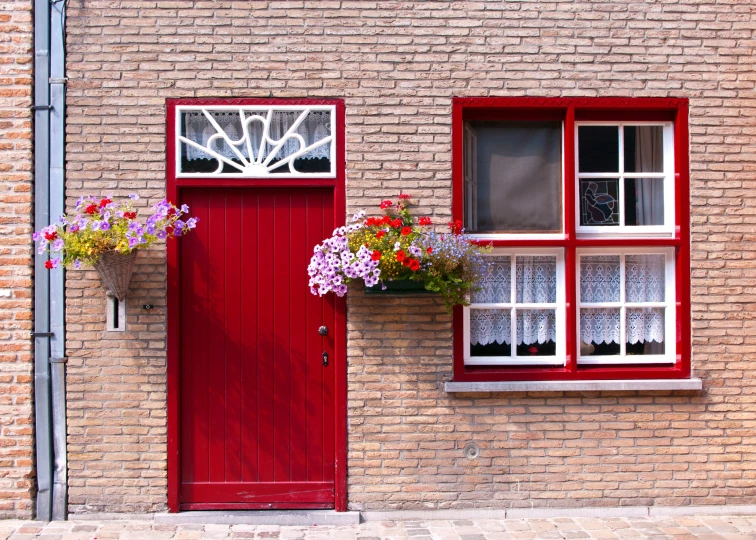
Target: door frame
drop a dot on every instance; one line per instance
(174, 187)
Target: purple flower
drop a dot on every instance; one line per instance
(150, 228)
(133, 242)
(58, 244)
(134, 197)
(184, 209)
(162, 234)
(179, 225)
(95, 225)
(36, 236)
(77, 264)
(192, 222)
(104, 225)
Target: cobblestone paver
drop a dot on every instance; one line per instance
(659, 528)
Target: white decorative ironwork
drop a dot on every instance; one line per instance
(255, 141)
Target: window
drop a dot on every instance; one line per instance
(255, 141)
(585, 203)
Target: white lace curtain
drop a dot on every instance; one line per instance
(600, 282)
(535, 282)
(315, 127)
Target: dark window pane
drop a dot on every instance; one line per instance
(599, 332)
(515, 185)
(599, 202)
(644, 149)
(598, 149)
(644, 201)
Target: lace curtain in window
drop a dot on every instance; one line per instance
(600, 282)
(535, 282)
(315, 127)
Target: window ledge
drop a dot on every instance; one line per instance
(575, 386)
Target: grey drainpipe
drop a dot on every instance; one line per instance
(57, 278)
(49, 338)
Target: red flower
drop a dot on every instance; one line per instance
(376, 255)
(396, 223)
(380, 234)
(400, 255)
(429, 250)
(414, 265)
(48, 265)
(171, 211)
(129, 215)
(425, 220)
(456, 226)
(385, 220)
(51, 236)
(406, 262)
(386, 204)
(105, 202)
(169, 230)
(405, 196)
(406, 230)
(91, 209)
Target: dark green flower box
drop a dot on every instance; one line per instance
(402, 286)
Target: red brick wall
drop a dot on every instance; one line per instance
(398, 64)
(16, 411)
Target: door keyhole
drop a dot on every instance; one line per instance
(325, 359)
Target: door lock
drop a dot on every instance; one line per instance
(325, 359)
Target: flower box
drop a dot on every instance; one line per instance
(400, 286)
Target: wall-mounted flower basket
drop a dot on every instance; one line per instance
(106, 234)
(115, 271)
(398, 287)
(396, 254)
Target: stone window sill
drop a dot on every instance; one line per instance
(652, 385)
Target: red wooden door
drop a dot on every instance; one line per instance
(256, 401)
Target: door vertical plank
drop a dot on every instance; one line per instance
(300, 329)
(282, 336)
(316, 231)
(250, 287)
(232, 336)
(329, 380)
(266, 345)
(189, 357)
(216, 335)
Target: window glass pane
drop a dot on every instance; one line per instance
(644, 201)
(644, 278)
(598, 149)
(644, 149)
(496, 285)
(515, 185)
(599, 332)
(536, 279)
(599, 202)
(536, 332)
(644, 330)
(490, 332)
(599, 278)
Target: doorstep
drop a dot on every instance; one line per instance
(260, 517)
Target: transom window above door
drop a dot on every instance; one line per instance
(586, 204)
(255, 141)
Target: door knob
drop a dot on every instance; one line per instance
(323, 330)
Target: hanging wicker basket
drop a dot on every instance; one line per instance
(115, 271)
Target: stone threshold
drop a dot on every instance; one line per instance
(333, 518)
(653, 385)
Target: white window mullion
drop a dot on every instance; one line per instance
(513, 298)
(621, 180)
(623, 309)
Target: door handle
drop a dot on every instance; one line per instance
(325, 359)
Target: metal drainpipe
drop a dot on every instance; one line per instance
(49, 339)
(57, 278)
(42, 398)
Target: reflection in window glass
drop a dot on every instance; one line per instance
(536, 332)
(599, 332)
(536, 279)
(515, 185)
(599, 201)
(598, 149)
(644, 149)
(599, 279)
(496, 282)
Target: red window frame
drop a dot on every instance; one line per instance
(570, 110)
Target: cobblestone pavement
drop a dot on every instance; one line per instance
(658, 528)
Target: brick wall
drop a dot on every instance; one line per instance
(398, 64)
(16, 414)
